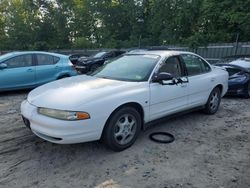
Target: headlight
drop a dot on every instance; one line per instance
(238, 79)
(63, 115)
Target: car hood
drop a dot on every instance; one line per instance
(242, 63)
(71, 92)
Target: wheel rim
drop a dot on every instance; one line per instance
(125, 129)
(214, 101)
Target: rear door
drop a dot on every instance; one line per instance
(47, 68)
(200, 79)
(20, 73)
(168, 99)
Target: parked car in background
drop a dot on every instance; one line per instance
(74, 57)
(22, 70)
(91, 63)
(242, 62)
(239, 78)
(118, 100)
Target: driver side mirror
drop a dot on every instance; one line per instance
(3, 66)
(162, 77)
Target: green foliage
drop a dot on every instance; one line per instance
(47, 24)
(82, 42)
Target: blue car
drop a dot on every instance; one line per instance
(239, 78)
(23, 70)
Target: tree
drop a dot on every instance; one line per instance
(47, 24)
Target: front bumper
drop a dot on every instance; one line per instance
(236, 89)
(82, 68)
(60, 131)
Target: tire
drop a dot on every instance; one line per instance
(247, 95)
(122, 129)
(94, 67)
(213, 101)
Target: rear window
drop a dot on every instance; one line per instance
(44, 59)
(195, 65)
(56, 59)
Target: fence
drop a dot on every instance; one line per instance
(212, 52)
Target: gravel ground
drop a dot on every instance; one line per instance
(209, 151)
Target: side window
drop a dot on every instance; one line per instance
(45, 59)
(206, 68)
(195, 65)
(56, 59)
(19, 61)
(173, 66)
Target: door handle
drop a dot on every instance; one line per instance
(29, 70)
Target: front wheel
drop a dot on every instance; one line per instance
(122, 129)
(213, 101)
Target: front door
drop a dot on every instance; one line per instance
(200, 79)
(168, 99)
(19, 73)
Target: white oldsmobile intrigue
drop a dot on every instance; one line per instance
(116, 101)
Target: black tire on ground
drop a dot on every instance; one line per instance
(213, 101)
(122, 129)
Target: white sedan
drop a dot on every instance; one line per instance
(119, 99)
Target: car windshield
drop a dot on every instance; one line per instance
(2, 57)
(100, 54)
(135, 68)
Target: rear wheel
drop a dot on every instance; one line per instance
(213, 102)
(122, 129)
(248, 91)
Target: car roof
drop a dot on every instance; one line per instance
(162, 53)
(34, 52)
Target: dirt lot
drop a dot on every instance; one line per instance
(209, 151)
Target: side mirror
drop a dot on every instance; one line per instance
(163, 76)
(3, 66)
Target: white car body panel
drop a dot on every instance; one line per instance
(100, 97)
(164, 102)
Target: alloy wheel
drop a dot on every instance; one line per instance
(125, 129)
(214, 101)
